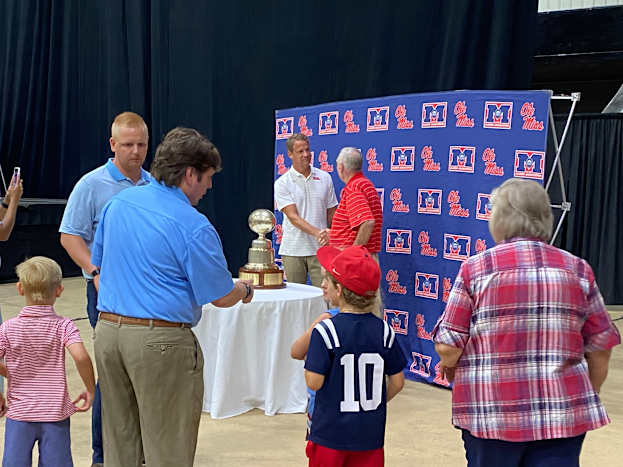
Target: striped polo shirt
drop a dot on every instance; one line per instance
(33, 345)
(359, 202)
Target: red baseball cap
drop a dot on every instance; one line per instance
(353, 267)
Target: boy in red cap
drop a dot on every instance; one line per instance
(348, 358)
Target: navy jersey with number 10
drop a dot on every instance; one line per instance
(354, 352)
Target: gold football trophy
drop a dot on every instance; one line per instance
(261, 268)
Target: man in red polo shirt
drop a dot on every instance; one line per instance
(359, 216)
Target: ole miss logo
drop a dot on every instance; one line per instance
(498, 115)
(378, 118)
(462, 159)
(398, 320)
(483, 207)
(398, 241)
(456, 247)
(303, 126)
(420, 323)
(434, 114)
(349, 120)
(403, 159)
(429, 201)
(529, 164)
(327, 123)
(284, 127)
(426, 285)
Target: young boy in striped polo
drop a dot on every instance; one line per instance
(33, 345)
(348, 359)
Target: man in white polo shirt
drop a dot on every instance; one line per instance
(307, 199)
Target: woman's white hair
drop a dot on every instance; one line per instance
(351, 159)
(521, 208)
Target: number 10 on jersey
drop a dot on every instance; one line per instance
(349, 404)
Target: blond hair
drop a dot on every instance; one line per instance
(364, 304)
(39, 277)
(127, 120)
(521, 208)
(293, 139)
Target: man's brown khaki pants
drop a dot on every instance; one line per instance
(297, 268)
(151, 379)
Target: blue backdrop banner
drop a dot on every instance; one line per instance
(434, 159)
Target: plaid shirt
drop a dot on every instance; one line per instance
(524, 313)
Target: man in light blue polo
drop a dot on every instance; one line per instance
(128, 142)
(160, 261)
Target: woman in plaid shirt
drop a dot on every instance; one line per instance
(526, 339)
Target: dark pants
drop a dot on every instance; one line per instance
(53, 438)
(96, 411)
(560, 452)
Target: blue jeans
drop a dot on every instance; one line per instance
(54, 443)
(96, 413)
(559, 452)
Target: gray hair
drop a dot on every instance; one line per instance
(350, 158)
(521, 208)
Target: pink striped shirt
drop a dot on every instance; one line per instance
(33, 345)
(359, 202)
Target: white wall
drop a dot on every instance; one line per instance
(554, 5)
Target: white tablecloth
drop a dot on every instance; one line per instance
(246, 349)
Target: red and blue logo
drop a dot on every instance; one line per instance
(529, 164)
(373, 164)
(421, 364)
(284, 127)
(378, 118)
(456, 247)
(420, 323)
(398, 320)
(328, 122)
(429, 201)
(403, 159)
(483, 206)
(498, 115)
(398, 241)
(426, 285)
(381, 193)
(434, 114)
(462, 159)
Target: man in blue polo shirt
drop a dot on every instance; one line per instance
(160, 260)
(128, 142)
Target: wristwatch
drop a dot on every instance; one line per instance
(249, 289)
(95, 272)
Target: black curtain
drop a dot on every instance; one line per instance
(592, 161)
(67, 67)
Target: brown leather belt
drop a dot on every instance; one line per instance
(118, 319)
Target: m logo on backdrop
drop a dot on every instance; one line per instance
(498, 115)
(381, 193)
(434, 114)
(398, 320)
(378, 118)
(398, 241)
(426, 285)
(462, 159)
(284, 127)
(529, 164)
(456, 247)
(483, 207)
(403, 159)
(421, 364)
(428, 201)
(327, 122)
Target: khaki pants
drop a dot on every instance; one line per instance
(151, 381)
(297, 268)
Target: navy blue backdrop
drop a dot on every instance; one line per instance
(434, 159)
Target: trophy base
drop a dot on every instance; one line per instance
(268, 279)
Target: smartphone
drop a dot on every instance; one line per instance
(16, 176)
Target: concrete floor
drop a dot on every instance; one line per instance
(418, 426)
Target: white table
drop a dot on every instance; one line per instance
(246, 349)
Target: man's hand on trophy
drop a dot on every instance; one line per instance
(248, 289)
(323, 237)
